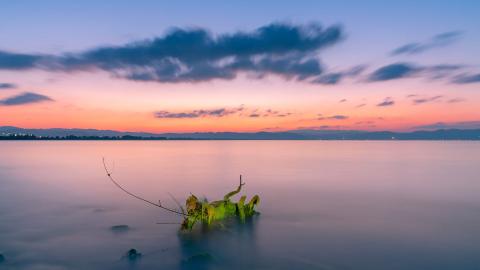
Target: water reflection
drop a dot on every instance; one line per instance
(325, 205)
(232, 245)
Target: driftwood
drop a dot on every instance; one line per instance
(201, 211)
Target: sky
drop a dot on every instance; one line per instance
(242, 66)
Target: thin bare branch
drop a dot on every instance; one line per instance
(109, 174)
(176, 201)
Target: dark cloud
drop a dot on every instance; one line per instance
(386, 102)
(288, 67)
(467, 78)
(24, 98)
(194, 55)
(394, 71)
(16, 61)
(437, 41)
(450, 125)
(7, 86)
(222, 112)
(406, 70)
(343, 100)
(418, 101)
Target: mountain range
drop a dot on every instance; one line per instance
(440, 134)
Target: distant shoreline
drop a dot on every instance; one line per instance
(2, 138)
(58, 134)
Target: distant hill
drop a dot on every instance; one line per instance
(62, 132)
(441, 134)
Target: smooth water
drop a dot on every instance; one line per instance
(324, 204)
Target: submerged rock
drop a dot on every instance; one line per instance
(120, 228)
(133, 255)
(2, 258)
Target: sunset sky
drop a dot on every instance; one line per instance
(185, 66)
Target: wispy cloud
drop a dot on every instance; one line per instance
(437, 41)
(406, 70)
(333, 78)
(393, 71)
(467, 78)
(455, 100)
(333, 117)
(418, 101)
(275, 113)
(221, 112)
(330, 78)
(7, 86)
(388, 101)
(451, 125)
(24, 98)
(322, 127)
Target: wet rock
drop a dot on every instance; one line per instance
(133, 255)
(2, 258)
(120, 228)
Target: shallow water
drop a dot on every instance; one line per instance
(324, 204)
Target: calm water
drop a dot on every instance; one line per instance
(324, 205)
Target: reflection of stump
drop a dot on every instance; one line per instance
(2, 258)
(214, 248)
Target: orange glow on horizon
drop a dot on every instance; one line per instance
(95, 100)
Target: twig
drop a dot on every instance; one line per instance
(135, 196)
(178, 204)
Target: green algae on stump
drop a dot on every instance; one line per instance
(203, 211)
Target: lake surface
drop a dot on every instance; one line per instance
(324, 204)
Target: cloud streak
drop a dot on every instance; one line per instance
(401, 70)
(451, 125)
(221, 112)
(393, 71)
(333, 117)
(467, 78)
(437, 41)
(388, 101)
(336, 77)
(24, 98)
(418, 101)
(7, 86)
